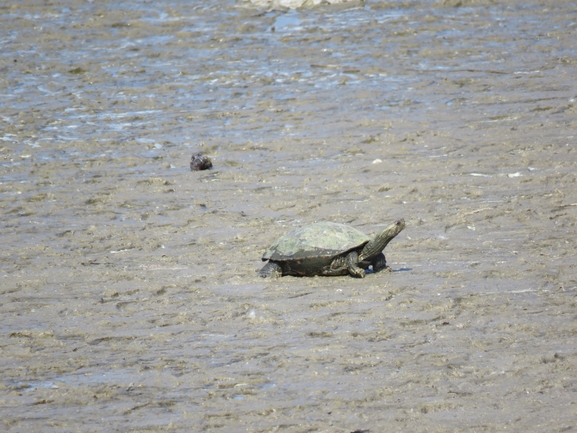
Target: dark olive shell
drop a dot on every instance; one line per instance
(323, 239)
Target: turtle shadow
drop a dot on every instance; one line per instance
(403, 270)
(370, 270)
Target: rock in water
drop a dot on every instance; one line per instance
(200, 162)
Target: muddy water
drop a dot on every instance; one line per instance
(129, 295)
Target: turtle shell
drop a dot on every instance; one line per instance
(323, 239)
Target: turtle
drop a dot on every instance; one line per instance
(327, 248)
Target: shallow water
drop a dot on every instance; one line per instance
(130, 300)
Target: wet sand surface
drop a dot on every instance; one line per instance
(129, 295)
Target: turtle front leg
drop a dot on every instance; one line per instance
(352, 262)
(270, 270)
(380, 264)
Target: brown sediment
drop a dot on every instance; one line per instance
(129, 294)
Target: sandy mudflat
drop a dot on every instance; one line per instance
(129, 300)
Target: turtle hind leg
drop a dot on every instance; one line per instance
(380, 264)
(270, 270)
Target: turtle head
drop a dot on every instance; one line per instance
(381, 240)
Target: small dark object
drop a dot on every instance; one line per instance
(77, 70)
(200, 162)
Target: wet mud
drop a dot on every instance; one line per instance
(130, 299)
